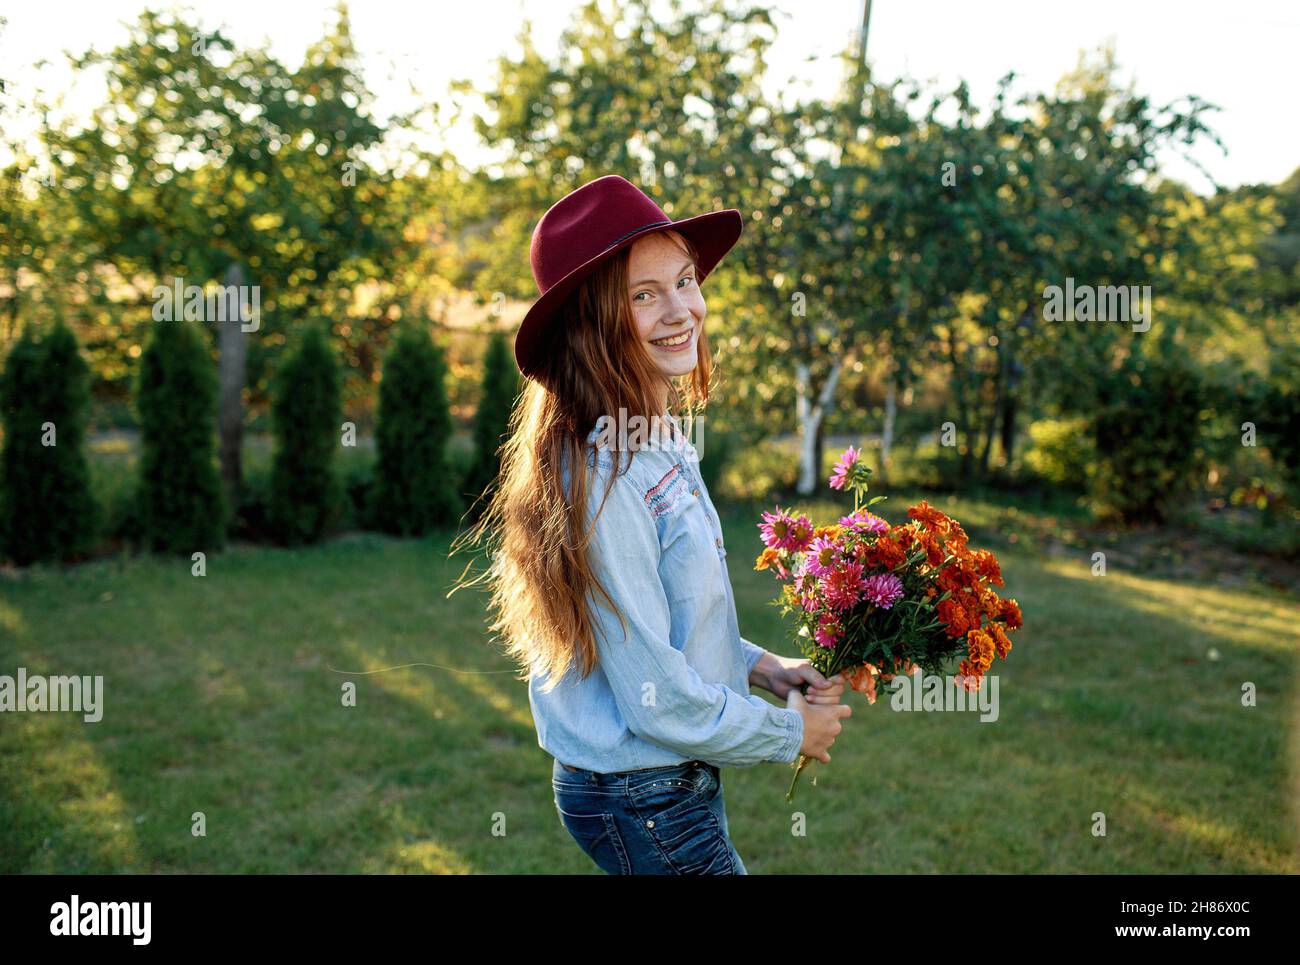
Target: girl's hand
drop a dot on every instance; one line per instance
(793, 672)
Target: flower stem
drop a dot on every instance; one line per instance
(798, 766)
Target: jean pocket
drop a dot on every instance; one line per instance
(680, 818)
(660, 796)
(597, 835)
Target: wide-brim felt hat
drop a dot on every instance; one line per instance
(588, 226)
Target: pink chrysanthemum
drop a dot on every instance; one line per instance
(843, 586)
(781, 531)
(841, 472)
(864, 522)
(828, 631)
(801, 534)
(821, 556)
(883, 589)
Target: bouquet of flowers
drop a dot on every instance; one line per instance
(874, 600)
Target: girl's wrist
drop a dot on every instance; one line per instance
(766, 672)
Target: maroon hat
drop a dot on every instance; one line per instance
(587, 226)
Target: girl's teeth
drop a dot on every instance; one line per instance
(675, 340)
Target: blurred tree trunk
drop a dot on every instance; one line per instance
(233, 351)
(811, 415)
(887, 431)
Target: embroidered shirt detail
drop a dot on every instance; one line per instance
(663, 495)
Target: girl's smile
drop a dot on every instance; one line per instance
(676, 343)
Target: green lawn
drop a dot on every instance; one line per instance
(1122, 696)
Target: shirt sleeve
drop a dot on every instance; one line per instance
(753, 653)
(660, 696)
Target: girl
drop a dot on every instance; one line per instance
(610, 585)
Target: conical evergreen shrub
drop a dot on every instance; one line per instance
(180, 503)
(306, 418)
(414, 488)
(47, 509)
(491, 421)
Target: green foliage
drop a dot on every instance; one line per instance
(491, 420)
(757, 472)
(1147, 434)
(413, 485)
(1279, 418)
(48, 510)
(181, 506)
(1061, 451)
(282, 186)
(306, 419)
(718, 446)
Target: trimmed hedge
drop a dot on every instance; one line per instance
(181, 507)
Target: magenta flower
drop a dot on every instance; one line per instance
(775, 529)
(841, 472)
(883, 589)
(828, 631)
(801, 534)
(781, 531)
(843, 586)
(822, 556)
(864, 522)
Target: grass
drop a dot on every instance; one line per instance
(1122, 696)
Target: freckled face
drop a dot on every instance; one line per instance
(666, 302)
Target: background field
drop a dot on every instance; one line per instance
(1122, 695)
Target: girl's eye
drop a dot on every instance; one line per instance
(638, 295)
(687, 278)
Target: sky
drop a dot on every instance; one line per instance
(1243, 57)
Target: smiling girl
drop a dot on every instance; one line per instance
(610, 585)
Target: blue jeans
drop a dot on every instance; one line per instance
(656, 821)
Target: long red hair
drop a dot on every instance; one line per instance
(596, 365)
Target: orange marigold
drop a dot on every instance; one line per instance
(933, 551)
(955, 543)
(990, 604)
(765, 559)
(951, 612)
(863, 680)
(971, 678)
(986, 565)
(981, 649)
(1000, 640)
(1010, 614)
(884, 552)
(929, 517)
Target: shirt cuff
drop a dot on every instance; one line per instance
(792, 721)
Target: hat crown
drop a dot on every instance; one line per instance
(586, 222)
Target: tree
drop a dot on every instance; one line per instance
(491, 420)
(25, 536)
(48, 509)
(306, 421)
(209, 162)
(181, 506)
(414, 489)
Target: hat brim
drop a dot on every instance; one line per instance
(713, 234)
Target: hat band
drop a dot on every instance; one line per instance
(623, 237)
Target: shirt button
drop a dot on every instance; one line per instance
(695, 493)
(718, 541)
(649, 824)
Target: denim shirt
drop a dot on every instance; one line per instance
(677, 687)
